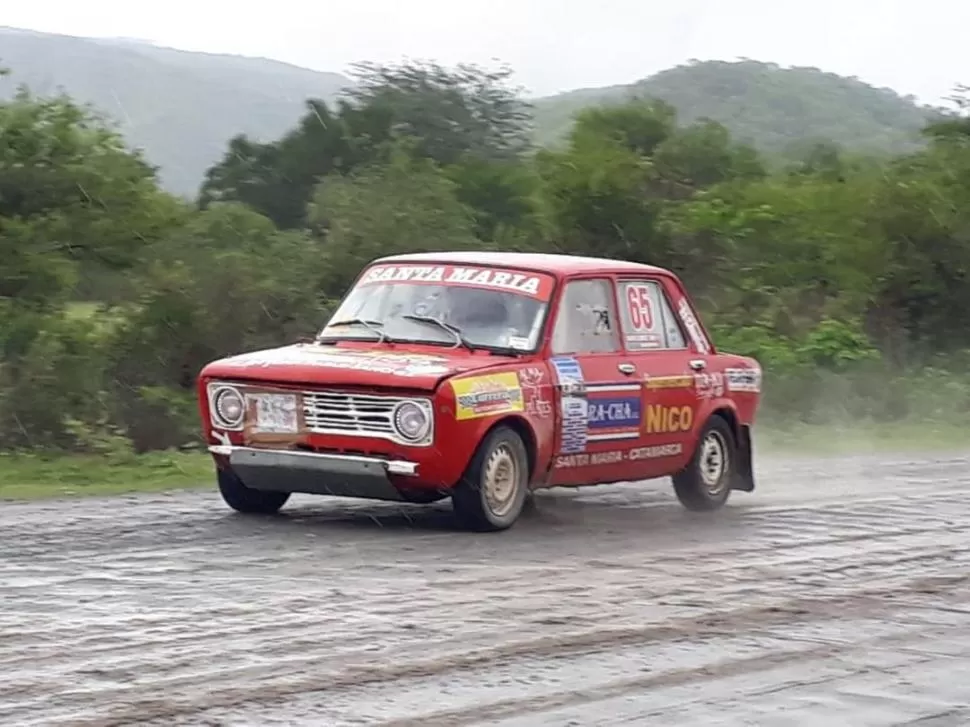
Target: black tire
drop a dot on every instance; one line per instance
(243, 499)
(492, 492)
(705, 483)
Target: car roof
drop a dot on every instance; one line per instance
(543, 262)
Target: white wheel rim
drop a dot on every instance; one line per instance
(501, 480)
(713, 462)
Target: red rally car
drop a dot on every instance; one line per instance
(481, 377)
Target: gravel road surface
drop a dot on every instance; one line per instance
(838, 593)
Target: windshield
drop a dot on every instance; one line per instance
(446, 305)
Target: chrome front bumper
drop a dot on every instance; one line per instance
(342, 475)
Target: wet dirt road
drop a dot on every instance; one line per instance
(838, 593)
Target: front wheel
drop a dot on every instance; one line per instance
(492, 492)
(243, 499)
(705, 483)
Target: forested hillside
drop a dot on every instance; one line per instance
(779, 110)
(846, 277)
(180, 107)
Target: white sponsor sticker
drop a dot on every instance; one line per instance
(568, 461)
(454, 275)
(693, 327)
(573, 408)
(743, 380)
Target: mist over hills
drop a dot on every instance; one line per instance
(182, 107)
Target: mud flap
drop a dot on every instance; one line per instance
(744, 474)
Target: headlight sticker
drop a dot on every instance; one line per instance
(274, 413)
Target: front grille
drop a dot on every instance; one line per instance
(349, 414)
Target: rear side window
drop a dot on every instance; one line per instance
(649, 323)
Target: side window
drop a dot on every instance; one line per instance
(648, 320)
(587, 319)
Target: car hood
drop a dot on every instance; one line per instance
(315, 364)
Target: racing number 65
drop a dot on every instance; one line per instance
(638, 303)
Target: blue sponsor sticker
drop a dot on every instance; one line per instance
(568, 370)
(614, 412)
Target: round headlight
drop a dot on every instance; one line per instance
(412, 421)
(229, 406)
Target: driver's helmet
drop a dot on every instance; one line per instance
(477, 308)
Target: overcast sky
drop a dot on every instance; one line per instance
(920, 47)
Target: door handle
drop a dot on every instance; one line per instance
(698, 364)
(627, 368)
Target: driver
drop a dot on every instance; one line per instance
(471, 308)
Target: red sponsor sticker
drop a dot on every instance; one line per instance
(534, 285)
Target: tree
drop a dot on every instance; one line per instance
(624, 165)
(73, 201)
(787, 252)
(596, 196)
(955, 125)
(502, 196)
(407, 205)
(276, 179)
(70, 178)
(248, 174)
(639, 125)
(702, 155)
(467, 117)
(923, 209)
(227, 281)
(449, 113)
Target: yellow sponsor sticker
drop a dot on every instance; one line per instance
(668, 419)
(482, 396)
(681, 381)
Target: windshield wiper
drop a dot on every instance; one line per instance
(505, 351)
(453, 330)
(373, 326)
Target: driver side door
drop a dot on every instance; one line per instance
(598, 402)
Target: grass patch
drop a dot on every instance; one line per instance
(859, 438)
(32, 476)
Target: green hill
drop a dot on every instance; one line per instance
(180, 107)
(771, 107)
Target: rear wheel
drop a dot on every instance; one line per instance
(705, 483)
(492, 492)
(243, 499)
